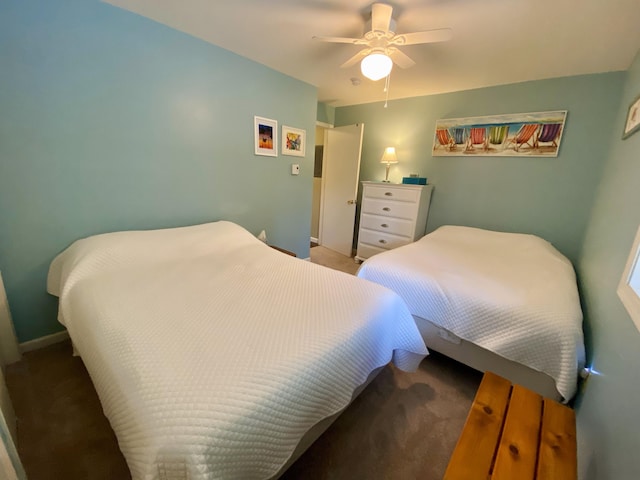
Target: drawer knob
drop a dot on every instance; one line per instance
(384, 225)
(388, 194)
(386, 209)
(382, 241)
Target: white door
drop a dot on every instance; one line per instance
(340, 174)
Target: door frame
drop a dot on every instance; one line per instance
(326, 127)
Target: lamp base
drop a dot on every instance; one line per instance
(386, 177)
(386, 181)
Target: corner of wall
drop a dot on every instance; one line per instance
(326, 113)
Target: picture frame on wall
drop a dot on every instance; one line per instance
(534, 134)
(293, 141)
(265, 136)
(632, 125)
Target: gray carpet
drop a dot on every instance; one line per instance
(324, 256)
(62, 433)
(402, 426)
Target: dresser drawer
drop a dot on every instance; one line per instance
(396, 226)
(392, 193)
(365, 251)
(382, 240)
(390, 208)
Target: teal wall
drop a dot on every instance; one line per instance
(550, 197)
(111, 121)
(326, 113)
(608, 420)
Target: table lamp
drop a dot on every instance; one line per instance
(389, 157)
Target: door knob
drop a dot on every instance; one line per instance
(351, 202)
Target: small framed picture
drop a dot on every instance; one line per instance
(266, 136)
(293, 141)
(633, 119)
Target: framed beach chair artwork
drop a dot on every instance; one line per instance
(535, 134)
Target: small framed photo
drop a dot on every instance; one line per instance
(266, 136)
(293, 141)
(633, 119)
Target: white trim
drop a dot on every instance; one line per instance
(314, 239)
(10, 465)
(9, 351)
(45, 341)
(629, 297)
(323, 124)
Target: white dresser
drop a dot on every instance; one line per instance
(391, 215)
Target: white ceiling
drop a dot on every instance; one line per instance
(494, 42)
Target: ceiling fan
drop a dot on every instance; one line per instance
(382, 42)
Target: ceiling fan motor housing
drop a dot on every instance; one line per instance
(370, 32)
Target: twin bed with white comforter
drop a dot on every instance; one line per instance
(512, 295)
(213, 354)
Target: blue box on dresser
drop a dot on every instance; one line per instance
(414, 180)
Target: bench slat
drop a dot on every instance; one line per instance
(518, 450)
(474, 451)
(558, 451)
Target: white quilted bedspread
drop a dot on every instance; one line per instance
(212, 353)
(512, 294)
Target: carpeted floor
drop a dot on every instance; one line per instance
(402, 426)
(62, 432)
(324, 256)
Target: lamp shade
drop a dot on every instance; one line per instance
(389, 155)
(376, 66)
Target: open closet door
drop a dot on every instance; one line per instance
(340, 175)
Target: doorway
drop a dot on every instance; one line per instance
(336, 187)
(317, 182)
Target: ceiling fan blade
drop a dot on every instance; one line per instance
(400, 59)
(430, 36)
(381, 17)
(353, 41)
(356, 58)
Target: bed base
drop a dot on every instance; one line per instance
(443, 341)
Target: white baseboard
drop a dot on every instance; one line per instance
(314, 239)
(45, 341)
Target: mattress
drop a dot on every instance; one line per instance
(213, 354)
(512, 294)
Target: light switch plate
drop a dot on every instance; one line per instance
(295, 169)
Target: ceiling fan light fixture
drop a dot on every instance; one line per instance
(376, 66)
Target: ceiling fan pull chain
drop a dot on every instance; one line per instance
(386, 89)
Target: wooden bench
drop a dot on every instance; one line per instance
(512, 433)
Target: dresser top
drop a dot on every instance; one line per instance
(397, 185)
